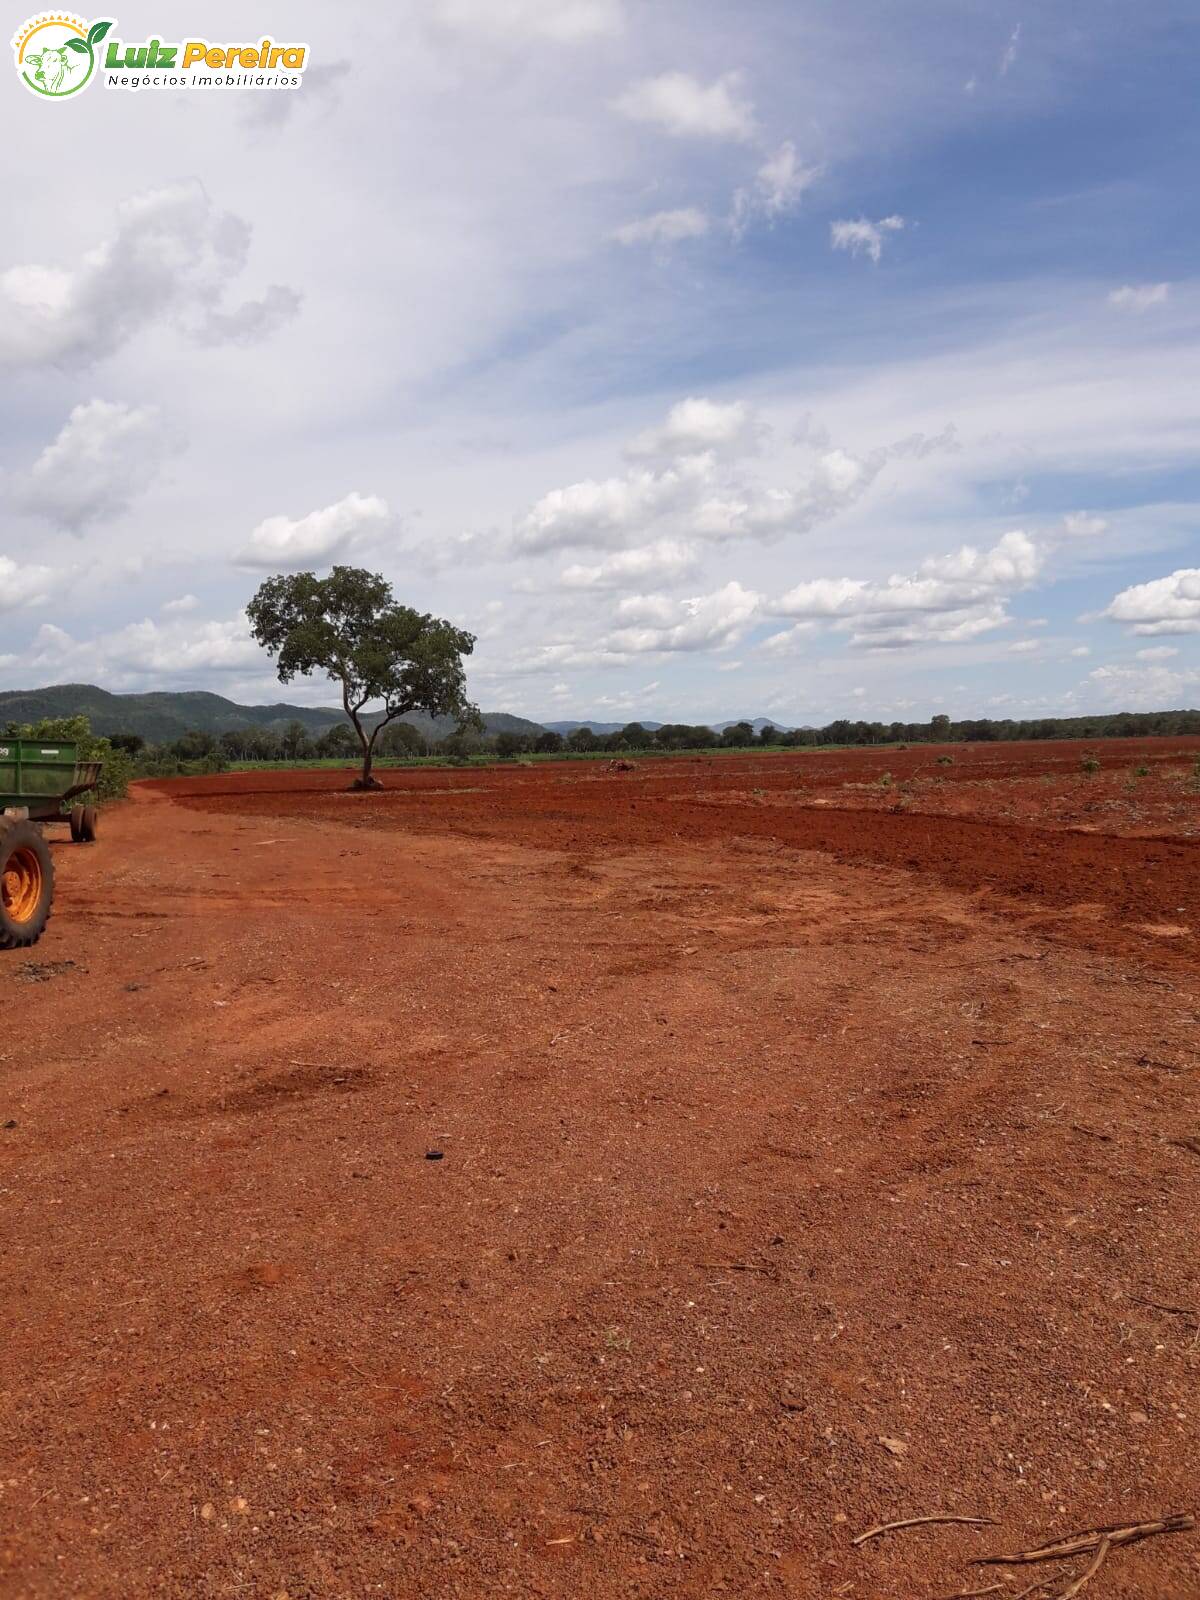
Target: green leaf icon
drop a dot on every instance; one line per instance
(77, 44)
(97, 31)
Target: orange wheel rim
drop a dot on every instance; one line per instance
(22, 885)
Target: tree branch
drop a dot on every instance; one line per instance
(388, 716)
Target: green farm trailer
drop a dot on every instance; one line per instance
(38, 777)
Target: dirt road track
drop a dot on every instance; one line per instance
(751, 1158)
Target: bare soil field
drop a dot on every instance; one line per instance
(551, 1181)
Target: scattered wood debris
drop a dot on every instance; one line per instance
(1096, 1542)
(970, 1594)
(1078, 1544)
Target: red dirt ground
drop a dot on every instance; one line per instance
(806, 1163)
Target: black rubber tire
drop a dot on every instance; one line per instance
(22, 845)
(90, 823)
(76, 824)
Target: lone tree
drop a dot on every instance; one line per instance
(349, 626)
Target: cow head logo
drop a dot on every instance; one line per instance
(56, 53)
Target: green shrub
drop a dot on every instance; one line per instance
(1089, 764)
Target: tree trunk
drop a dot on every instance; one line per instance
(365, 779)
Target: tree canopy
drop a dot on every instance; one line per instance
(350, 626)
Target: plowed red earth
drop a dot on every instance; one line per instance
(805, 1163)
(1117, 888)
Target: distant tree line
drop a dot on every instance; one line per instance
(983, 730)
(633, 736)
(214, 751)
(209, 752)
(938, 730)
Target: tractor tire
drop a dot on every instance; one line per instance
(76, 824)
(26, 884)
(90, 823)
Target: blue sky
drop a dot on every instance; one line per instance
(804, 360)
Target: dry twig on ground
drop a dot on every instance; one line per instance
(1159, 1305)
(1092, 1569)
(916, 1522)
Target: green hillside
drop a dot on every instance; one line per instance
(162, 716)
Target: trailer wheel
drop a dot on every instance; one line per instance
(90, 823)
(26, 884)
(76, 824)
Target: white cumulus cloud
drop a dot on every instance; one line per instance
(317, 538)
(653, 622)
(664, 227)
(28, 585)
(1164, 605)
(664, 561)
(1013, 562)
(950, 599)
(1082, 525)
(688, 109)
(788, 640)
(150, 652)
(609, 511)
(1143, 688)
(777, 189)
(1139, 297)
(172, 257)
(105, 456)
(696, 486)
(696, 425)
(863, 237)
(783, 178)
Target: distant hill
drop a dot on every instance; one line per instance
(493, 721)
(757, 723)
(598, 727)
(162, 716)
